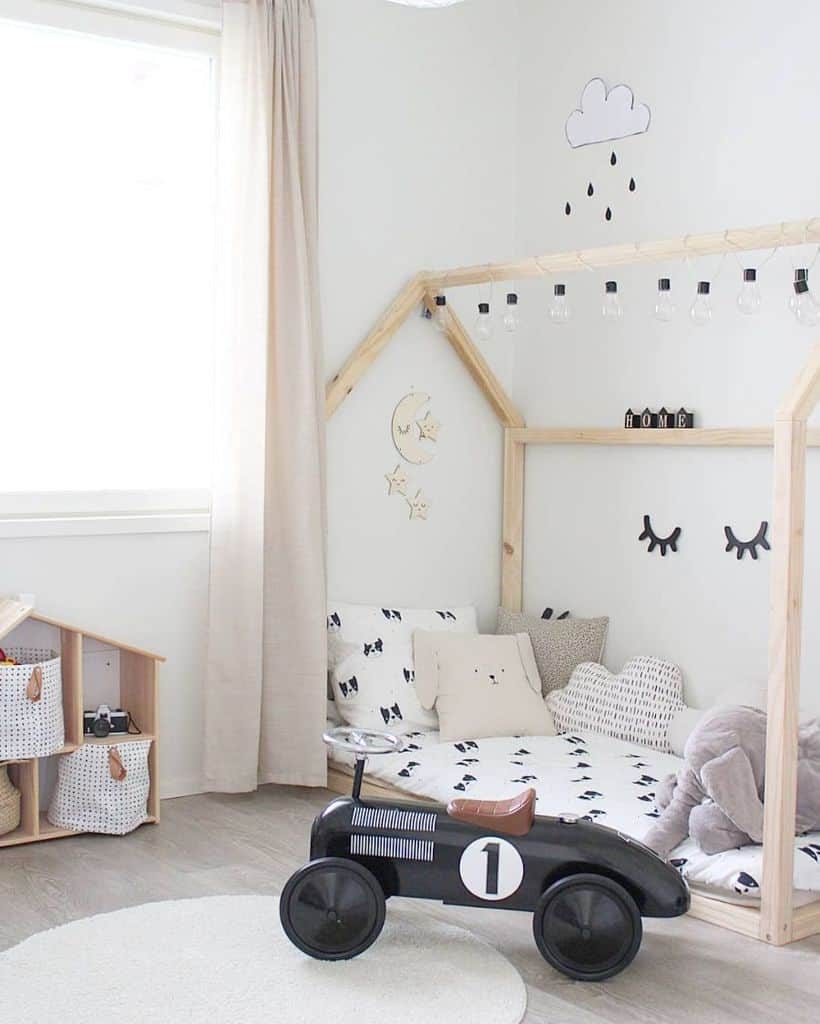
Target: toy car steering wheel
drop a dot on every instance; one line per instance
(363, 742)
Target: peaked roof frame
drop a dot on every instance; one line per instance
(778, 921)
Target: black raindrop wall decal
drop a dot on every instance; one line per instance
(590, 190)
(568, 209)
(631, 184)
(608, 213)
(613, 159)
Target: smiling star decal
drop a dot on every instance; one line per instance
(396, 481)
(429, 427)
(419, 506)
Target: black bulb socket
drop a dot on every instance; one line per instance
(441, 300)
(801, 287)
(801, 274)
(750, 274)
(484, 308)
(704, 287)
(663, 284)
(612, 287)
(559, 289)
(512, 299)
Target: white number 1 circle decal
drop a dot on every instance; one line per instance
(491, 868)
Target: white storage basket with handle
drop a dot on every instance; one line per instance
(102, 788)
(31, 704)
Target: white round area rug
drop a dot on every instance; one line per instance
(225, 960)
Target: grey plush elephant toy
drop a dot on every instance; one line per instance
(717, 795)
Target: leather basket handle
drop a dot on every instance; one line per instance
(34, 688)
(116, 768)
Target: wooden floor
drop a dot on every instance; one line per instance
(686, 970)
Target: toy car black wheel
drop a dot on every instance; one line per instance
(587, 926)
(332, 909)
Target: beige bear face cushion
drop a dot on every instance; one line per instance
(480, 685)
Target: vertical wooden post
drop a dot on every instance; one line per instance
(512, 554)
(783, 699)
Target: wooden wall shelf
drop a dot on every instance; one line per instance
(722, 437)
(138, 693)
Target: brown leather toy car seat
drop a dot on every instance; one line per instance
(513, 817)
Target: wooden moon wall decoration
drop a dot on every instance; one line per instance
(409, 431)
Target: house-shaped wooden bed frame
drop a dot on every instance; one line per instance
(777, 921)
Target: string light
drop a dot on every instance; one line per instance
(440, 316)
(560, 310)
(511, 317)
(484, 322)
(612, 309)
(664, 308)
(701, 309)
(749, 297)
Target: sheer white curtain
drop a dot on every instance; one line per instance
(267, 660)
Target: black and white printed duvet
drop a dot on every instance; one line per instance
(603, 779)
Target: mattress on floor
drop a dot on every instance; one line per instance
(603, 779)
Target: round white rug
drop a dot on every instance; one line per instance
(225, 960)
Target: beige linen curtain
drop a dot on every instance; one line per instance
(267, 660)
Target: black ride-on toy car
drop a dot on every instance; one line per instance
(586, 886)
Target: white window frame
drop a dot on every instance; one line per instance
(182, 25)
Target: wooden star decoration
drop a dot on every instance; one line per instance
(419, 506)
(396, 481)
(429, 427)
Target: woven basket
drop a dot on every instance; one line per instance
(9, 803)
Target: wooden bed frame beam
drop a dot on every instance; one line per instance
(770, 236)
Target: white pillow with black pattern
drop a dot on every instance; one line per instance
(637, 705)
(370, 659)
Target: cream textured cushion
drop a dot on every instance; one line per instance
(480, 685)
(638, 705)
(558, 644)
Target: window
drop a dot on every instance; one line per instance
(106, 258)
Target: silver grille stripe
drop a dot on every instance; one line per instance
(392, 846)
(391, 817)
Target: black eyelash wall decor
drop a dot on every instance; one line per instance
(659, 542)
(742, 546)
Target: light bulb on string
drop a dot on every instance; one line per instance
(701, 309)
(749, 297)
(511, 317)
(806, 309)
(664, 308)
(440, 317)
(560, 310)
(612, 309)
(800, 274)
(484, 322)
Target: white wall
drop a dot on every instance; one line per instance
(417, 169)
(729, 86)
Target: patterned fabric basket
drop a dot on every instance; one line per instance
(9, 803)
(102, 788)
(31, 704)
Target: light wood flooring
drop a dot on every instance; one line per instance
(206, 845)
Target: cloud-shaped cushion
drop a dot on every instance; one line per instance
(605, 116)
(637, 705)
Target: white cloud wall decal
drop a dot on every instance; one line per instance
(605, 116)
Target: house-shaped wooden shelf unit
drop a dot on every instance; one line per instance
(95, 670)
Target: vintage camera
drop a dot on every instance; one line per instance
(103, 722)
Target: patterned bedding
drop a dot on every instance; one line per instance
(604, 779)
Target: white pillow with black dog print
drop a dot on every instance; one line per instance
(370, 658)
